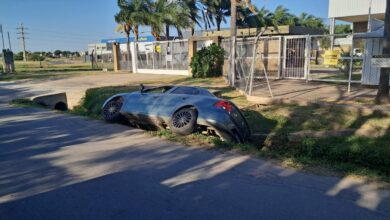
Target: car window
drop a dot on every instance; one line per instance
(158, 90)
(186, 91)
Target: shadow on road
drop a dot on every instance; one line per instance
(68, 167)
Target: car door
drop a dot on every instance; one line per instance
(169, 102)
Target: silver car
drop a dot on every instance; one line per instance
(182, 109)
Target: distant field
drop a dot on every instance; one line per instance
(51, 65)
(52, 68)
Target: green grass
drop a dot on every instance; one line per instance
(35, 70)
(25, 103)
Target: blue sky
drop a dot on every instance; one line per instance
(72, 24)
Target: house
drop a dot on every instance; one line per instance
(366, 17)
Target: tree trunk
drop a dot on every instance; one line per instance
(128, 48)
(382, 96)
(167, 32)
(218, 20)
(179, 32)
(136, 32)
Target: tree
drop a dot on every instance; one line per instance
(192, 14)
(383, 96)
(281, 16)
(343, 29)
(131, 14)
(168, 13)
(308, 20)
(217, 10)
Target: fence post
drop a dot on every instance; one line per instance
(134, 58)
(307, 57)
(350, 66)
(280, 57)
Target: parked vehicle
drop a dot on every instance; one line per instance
(182, 109)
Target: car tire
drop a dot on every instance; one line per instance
(111, 111)
(183, 122)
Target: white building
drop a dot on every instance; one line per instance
(359, 13)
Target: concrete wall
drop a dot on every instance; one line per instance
(346, 8)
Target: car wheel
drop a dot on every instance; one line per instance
(183, 122)
(111, 111)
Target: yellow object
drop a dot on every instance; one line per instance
(331, 57)
(158, 49)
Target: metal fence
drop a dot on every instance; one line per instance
(267, 60)
(326, 58)
(163, 55)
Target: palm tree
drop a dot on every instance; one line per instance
(217, 9)
(246, 17)
(167, 13)
(308, 20)
(192, 10)
(281, 16)
(123, 18)
(131, 14)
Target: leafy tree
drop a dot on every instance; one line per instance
(343, 29)
(18, 56)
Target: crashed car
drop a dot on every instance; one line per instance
(182, 109)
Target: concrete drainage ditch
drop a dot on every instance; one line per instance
(57, 101)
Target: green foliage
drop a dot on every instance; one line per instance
(208, 62)
(343, 29)
(94, 98)
(36, 57)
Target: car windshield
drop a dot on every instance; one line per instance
(186, 91)
(162, 89)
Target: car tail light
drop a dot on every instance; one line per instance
(224, 105)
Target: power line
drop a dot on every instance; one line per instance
(22, 34)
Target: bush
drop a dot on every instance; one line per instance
(208, 62)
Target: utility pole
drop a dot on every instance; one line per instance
(383, 95)
(2, 36)
(9, 42)
(22, 34)
(233, 43)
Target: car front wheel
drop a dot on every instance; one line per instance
(111, 111)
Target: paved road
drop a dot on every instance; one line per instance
(57, 166)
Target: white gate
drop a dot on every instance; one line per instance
(295, 57)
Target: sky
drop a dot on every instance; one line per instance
(73, 24)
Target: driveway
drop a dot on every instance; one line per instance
(58, 166)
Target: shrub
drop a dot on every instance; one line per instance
(208, 62)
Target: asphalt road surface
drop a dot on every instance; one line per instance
(58, 166)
